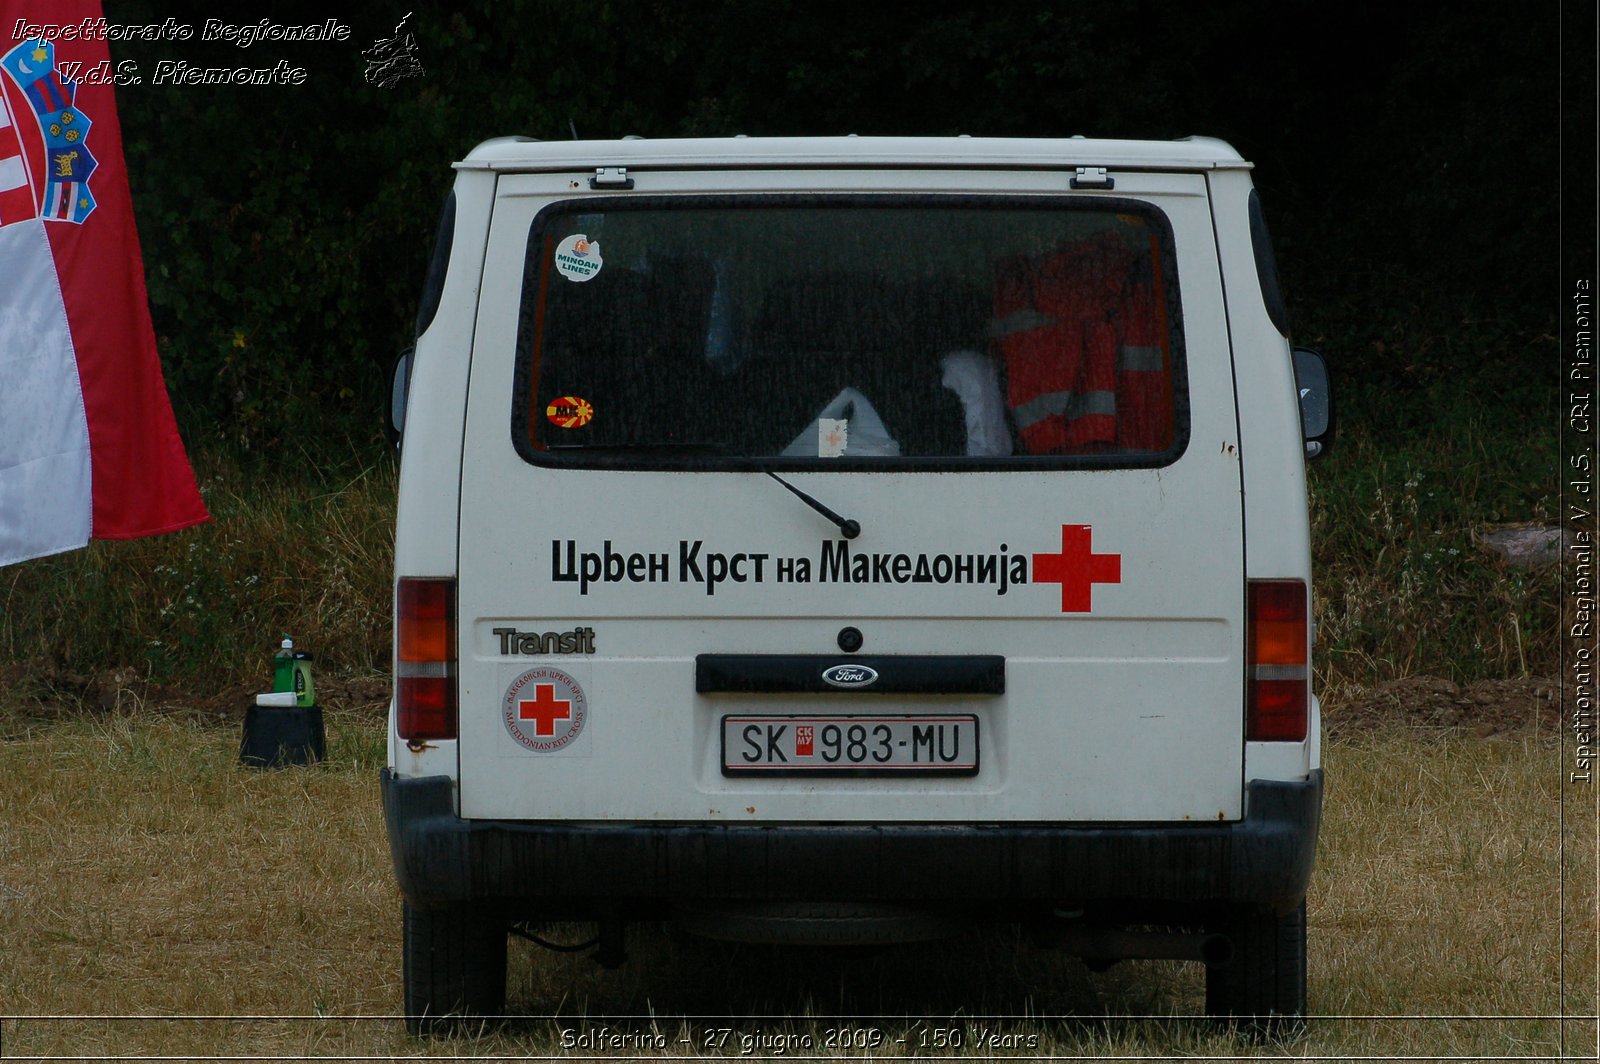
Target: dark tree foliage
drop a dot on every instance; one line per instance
(1407, 155)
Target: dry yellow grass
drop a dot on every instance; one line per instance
(143, 873)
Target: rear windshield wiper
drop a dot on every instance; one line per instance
(848, 527)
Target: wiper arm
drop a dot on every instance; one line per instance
(848, 527)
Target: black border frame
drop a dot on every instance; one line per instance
(521, 414)
(851, 771)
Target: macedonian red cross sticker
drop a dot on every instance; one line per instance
(544, 710)
(1077, 569)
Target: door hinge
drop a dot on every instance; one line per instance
(1092, 177)
(611, 177)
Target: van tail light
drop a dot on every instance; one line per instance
(425, 658)
(1278, 680)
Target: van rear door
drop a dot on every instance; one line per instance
(1024, 398)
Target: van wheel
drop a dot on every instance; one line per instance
(455, 966)
(1262, 985)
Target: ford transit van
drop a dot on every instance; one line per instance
(852, 540)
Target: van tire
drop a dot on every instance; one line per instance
(1262, 985)
(454, 967)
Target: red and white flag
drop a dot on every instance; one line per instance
(88, 443)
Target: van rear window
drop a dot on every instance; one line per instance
(858, 332)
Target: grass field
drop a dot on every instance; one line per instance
(144, 873)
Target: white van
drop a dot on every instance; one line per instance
(849, 540)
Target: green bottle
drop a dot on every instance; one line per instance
(283, 666)
(291, 671)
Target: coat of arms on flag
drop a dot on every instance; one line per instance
(88, 444)
(45, 161)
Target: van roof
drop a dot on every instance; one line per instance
(522, 153)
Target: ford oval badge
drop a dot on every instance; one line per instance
(850, 676)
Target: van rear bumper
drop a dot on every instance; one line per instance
(440, 858)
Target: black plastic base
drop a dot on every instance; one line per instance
(277, 737)
(440, 858)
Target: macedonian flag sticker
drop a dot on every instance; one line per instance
(569, 412)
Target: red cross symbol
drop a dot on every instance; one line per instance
(545, 709)
(1077, 569)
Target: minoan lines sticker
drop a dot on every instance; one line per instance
(544, 710)
(578, 258)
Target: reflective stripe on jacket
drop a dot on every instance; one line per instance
(1082, 335)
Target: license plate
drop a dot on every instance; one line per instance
(853, 745)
